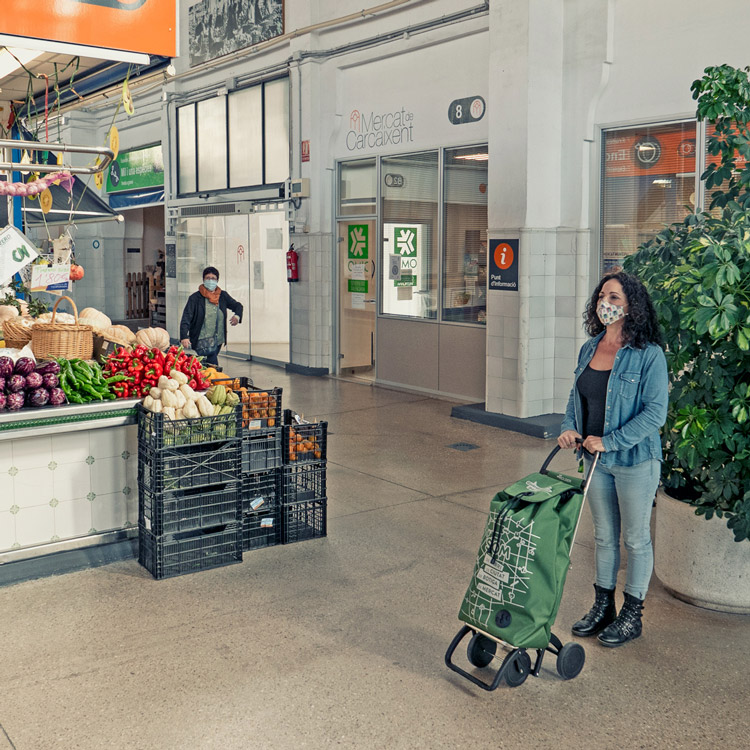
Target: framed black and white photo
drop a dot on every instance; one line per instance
(218, 27)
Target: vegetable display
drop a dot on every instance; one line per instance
(176, 399)
(131, 373)
(83, 382)
(27, 384)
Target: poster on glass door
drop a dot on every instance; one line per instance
(409, 294)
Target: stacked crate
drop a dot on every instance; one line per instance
(304, 500)
(189, 484)
(260, 489)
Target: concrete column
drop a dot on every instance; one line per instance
(544, 86)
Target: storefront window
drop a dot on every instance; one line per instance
(648, 182)
(237, 140)
(246, 137)
(410, 199)
(212, 143)
(186, 147)
(465, 249)
(276, 99)
(357, 188)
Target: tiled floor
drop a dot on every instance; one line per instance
(339, 642)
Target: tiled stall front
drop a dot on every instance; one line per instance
(68, 485)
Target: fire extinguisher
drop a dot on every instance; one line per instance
(292, 265)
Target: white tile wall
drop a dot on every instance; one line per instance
(67, 485)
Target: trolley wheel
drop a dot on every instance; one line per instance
(570, 660)
(481, 650)
(518, 670)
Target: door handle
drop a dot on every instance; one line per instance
(370, 300)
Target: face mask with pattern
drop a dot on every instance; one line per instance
(609, 313)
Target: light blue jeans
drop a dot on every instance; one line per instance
(621, 498)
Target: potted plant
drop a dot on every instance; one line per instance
(698, 275)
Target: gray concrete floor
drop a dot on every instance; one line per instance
(339, 642)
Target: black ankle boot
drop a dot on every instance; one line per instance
(627, 626)
(600, 615)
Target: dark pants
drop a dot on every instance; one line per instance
(212, 358)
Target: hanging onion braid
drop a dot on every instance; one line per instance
(641, 326)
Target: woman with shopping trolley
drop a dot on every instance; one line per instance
(617, 405)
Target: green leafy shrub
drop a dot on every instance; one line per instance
(698, 274)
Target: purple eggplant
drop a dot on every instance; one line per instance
(51, 368)
(15, 401)
(2, 400)
(2, 385)
(16, 383)
(39, 397)
(33, 381)
(57, 396)
(50, 380)
(24, 365)
(6, 367)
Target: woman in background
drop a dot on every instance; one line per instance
(204, 320)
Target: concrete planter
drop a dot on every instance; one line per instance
(698, 561)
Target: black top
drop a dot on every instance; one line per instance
(195, 312)
(592, 385)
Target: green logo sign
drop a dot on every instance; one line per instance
(357, 286)
(358, 241)
(19, 254)
(136, 170)
(406, 241)
(406, 280)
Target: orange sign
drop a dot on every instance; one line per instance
(504, 256)
(666, 149)
(147, 26)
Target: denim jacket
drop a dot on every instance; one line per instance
(636, 403)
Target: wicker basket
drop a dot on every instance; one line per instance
(16, 334)
(62, 339)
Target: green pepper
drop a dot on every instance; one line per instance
(75, 398)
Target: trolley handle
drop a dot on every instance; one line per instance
(590, 472)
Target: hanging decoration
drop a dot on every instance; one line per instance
(25, 189)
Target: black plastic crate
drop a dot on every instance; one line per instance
(304, 520)
(260, 492)
(187, 510)
(261, 407)
(178, 554)
(261, 529)
(189, 466)
(305, 442)
(303, 482)
(156, 431)
(261, 450)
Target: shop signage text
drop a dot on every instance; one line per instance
(137, 169)
(371, 130)
(504, 265)
(470, 109)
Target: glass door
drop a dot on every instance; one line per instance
(269, 289)
(357, 297)
(234, 268)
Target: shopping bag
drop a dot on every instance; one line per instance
(518, 579)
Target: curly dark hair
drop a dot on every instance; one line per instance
(641, 326)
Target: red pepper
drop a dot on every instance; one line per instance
(193, 383)
(121, 390)
(135, 365)
(152, 371)
(139, 351)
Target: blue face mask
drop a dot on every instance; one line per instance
(210, 284)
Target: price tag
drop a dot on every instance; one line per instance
(127, 98)
(114, 140)
(45, 200)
